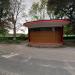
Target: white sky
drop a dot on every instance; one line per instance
(21, 20)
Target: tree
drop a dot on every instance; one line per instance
(63, 8)
(38, 10)
(66, 7)
(43, 7)
(34, 10)
(4, 11)
(15, 10)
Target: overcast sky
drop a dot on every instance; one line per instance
(21, 20)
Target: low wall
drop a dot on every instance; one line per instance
(45, 37)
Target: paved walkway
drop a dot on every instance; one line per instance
(24, 60)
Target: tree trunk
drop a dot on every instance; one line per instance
(14, 32)
(43, 14)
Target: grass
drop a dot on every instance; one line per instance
(9, 40)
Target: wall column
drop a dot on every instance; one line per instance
(62, 34)
(28, 35)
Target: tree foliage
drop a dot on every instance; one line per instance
(34, 9)
(4, 8)
(63, 8)
(39, 9)
(4, 11)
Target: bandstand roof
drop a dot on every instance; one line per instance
(47, 23)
